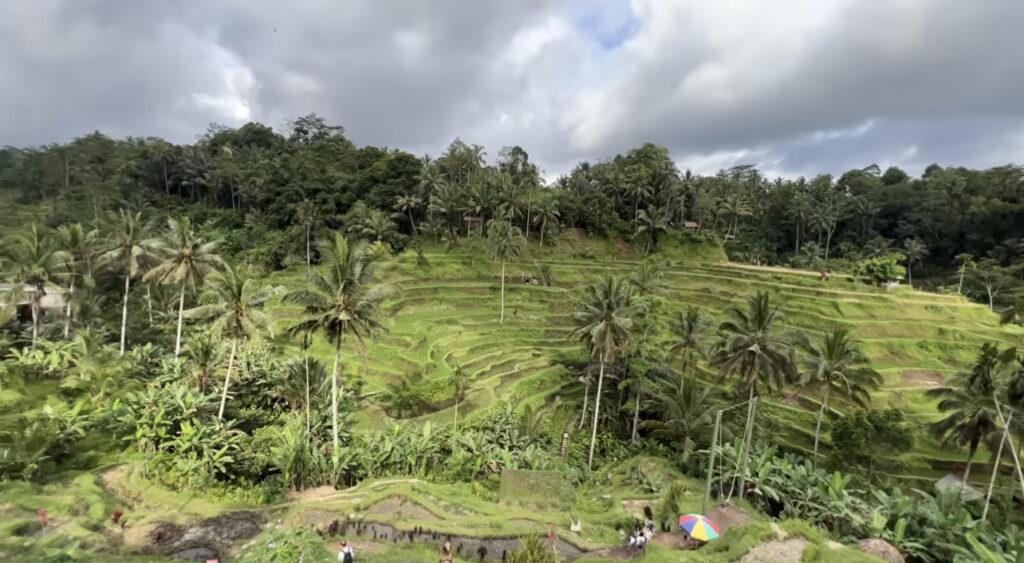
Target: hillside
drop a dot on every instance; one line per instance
(445, 313)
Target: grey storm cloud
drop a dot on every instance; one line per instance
(800, 87)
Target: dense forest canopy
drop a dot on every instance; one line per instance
(947, 222)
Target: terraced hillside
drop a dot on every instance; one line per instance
(445, 313)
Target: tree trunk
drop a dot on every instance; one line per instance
(231, 189)
(797, 249)
(227, 378)
(67, 316)
(967, 472)
(748, 439)
(542, 225)
(411, 222)
(636, 415)
(334, 394)
(502, 318)
(960, 286)
(597, 411)
(647, 248)
(36, 297)
(529, 209)
(636, 213)
(181, 322)
(455, 424)
(149, 303)
(586, 399)
(307, 248)
(124, 311)
(828, 242)
(988, 289)
(995, 471)
(308, 405)
(817, 428)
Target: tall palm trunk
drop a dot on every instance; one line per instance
(597, 411)
(334, 394)
(817, 428)
(167, 187)
(227, 378)
(960, 285)
(529, 208)
(455, 424)
(542, 225)
(586, 399)
(149, 302)
(181, 321)
(796, 249)
(308, 415)
(502, 318)
(124, 311)
(411, 222)
(67, 316)
(910, 275)
(828, 242)
(636, 414)
(36, 297)
(967, 471)
(307, 248)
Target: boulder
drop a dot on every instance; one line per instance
(881, 549)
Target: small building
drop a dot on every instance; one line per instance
(473, 222)
(954, 483)
(691, 226)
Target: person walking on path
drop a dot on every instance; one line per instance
(347, 554)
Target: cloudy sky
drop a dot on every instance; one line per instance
(795, 86)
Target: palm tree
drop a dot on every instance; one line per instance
(459, 382)
(407, 204)
(836, 364)
(78, 246)
(546, 213)
(37, 263)
(341, 300)
(735, 206)
(968, 400)
(379, 226)
(686, 413)
(314, 374)
(506, 242)
(914, 250)
(966, 261)
(233, 301)
(798, 212)
(689, 330)
(307, 214)
(639, 190)
(753, 348)
(603, 323)
(203, 354)
(131, 250)
(652, 222)
(187, 260)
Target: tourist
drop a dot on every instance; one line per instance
(446, 552)
(347, 554)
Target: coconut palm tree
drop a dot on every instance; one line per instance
(967, 262)
(639, 189)
(313, 374)
(341, 300)
(506, 243)
(232, 301)
(753, 348)
(37, 264)
(686, 412)
(79, 247)
(735, 206)
(458, 381)
(203, 354)
(967, 398)
(652, 222)
(603, 323)
(308, 215)
(837, 365)
(914, 250)
(546, 214)
(131, 250)
(186, 259)
(689, 331)
(407, 204)
(379, 226)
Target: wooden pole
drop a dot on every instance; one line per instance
(711, 463)
(1013, 450)
(995, 468)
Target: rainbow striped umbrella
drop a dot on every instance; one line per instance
(699, 527)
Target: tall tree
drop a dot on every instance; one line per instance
(603, 323)
(307, 214)
(458, 381)
(232, 301)
(686, 413)
(967, 263)
(37, 263)
(836, 364)
(967, 399)
(132, 251)
(407, 204)
(186, 259)
(342, 299)
(546, 214)
(651, 223)
(79, 247)
(914, 250)
(689, 331)
(506, 243)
